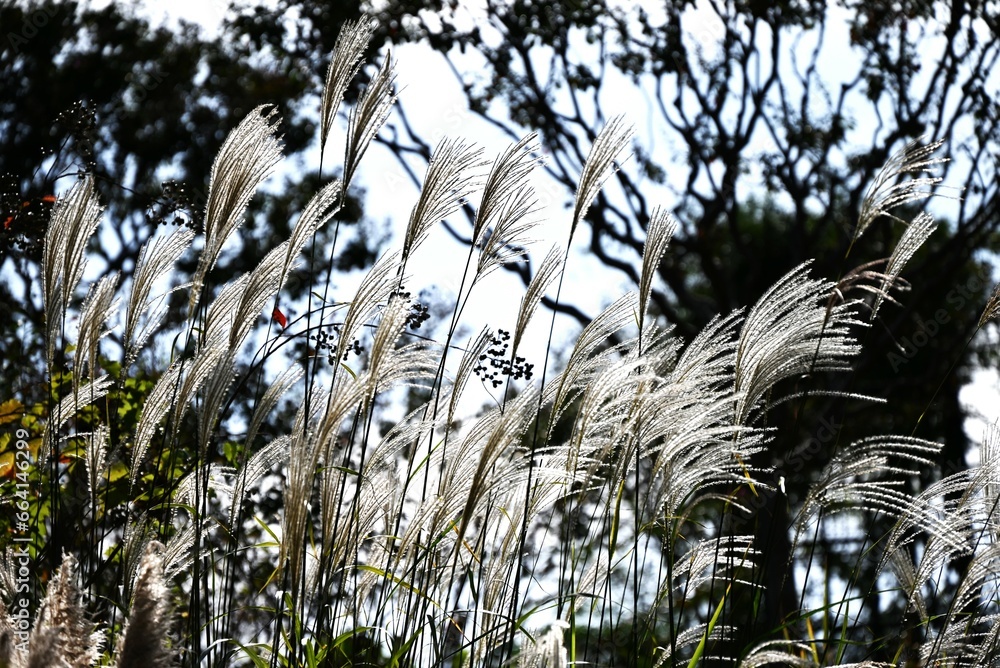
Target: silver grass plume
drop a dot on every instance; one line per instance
(848, 479)
(401, 436)
(547, 272)
(502, 439)
(946, 512)
(320, 209)
(466, 369)
(983, 575)
(359, 520)
(373, 291)
(213, 396)
(156, 260)
(790, 331)
(368, 116)
(959, 643)
(545, 652)
(386, 363)
(257, 466)
(381, 466)
(885, 194)
(187, 488)
(204, 364)
(610, 142)
(913, 238)
(246, 159)
(145, 641)
(690, 636)
(158, 402)
(99, 305)
(708, 359)
(136, 536)
(660, 229)
(62, 636)
(989, 465)
(310, 442)
(220, 320)
(603, 422)
(583, 362)
(502, 220)
(71, 404)
(172, 390)
(95, 457)
(74, 218)
(697, 447)
(451, 177)
(973, 518)
(856, 279)
(798, 654)
(475, 468)
(303, 458)
(992, 309)
(178, 555)
(716, 559)
(344, 65)
(262, 286)
(275, 391)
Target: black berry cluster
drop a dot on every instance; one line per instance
(418, 314)
(176, 200)
(494, 365)
(353, 348)
(327, 339)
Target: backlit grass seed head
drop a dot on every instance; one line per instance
(885, 193)
(916, 233)
(145, 642)
(992, 309)
(75, 217)
(611, 141)
(345, 62)
(368, 116)
(509, 203)
(452, 175)
(247, 157)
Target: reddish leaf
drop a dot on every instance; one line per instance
(279, 317)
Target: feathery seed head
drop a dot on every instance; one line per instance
(886, 194)
(247, 157)
(611, 141)
(145, 640)
(344, 65)
(368, 116)
(992, 309)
